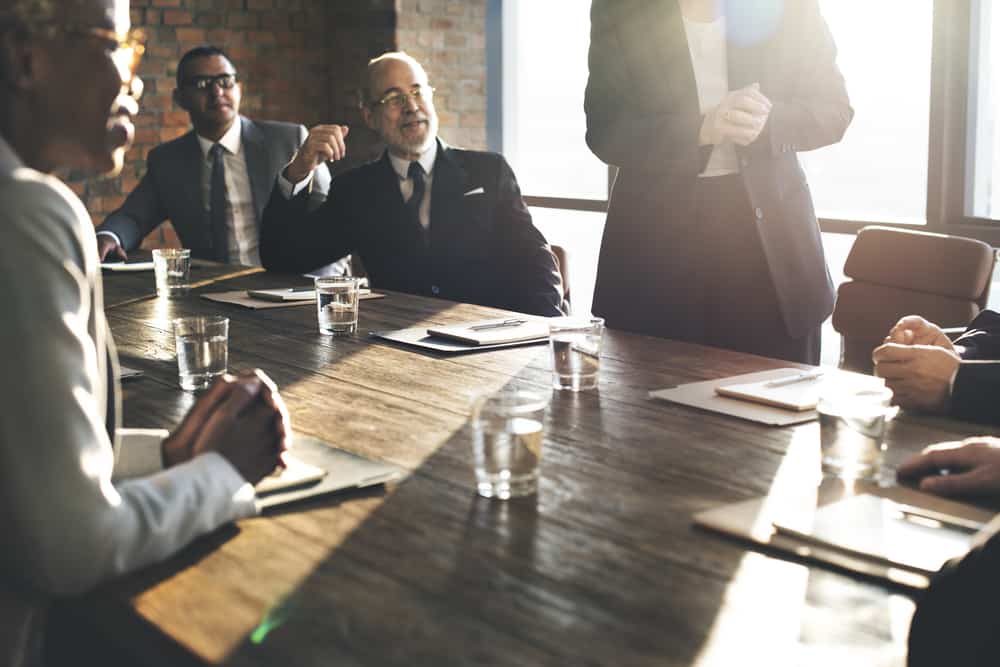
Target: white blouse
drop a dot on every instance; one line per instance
(707, 45)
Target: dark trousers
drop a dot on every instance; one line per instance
(731, 301)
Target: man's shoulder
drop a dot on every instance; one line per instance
(40, 211)
(273, 127)
(469, 157)
(172, 148)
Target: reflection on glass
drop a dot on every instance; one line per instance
(544, 77)
(879, 171)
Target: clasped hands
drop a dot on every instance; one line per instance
(243, 418)
(740, 117)
(918, 362)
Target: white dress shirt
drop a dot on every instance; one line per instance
(241, 224)
(402, 167)
(68, 525)
(707, 45)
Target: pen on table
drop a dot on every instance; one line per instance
(921, 516)
(498, 325)
(301, 289)
(792, 379)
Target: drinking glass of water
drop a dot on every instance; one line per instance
(507, 442)
(171, 268)
(202, 350)
(852, 425)
(576, 352)
(337, 305)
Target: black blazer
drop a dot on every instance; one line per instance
(975, 396)
(643, 116)
(172, 187)
(481, 246)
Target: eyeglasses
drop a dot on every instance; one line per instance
(205, 83)
(126, 50)
(399, 99)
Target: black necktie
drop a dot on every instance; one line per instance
(416, 173)
(217, 205)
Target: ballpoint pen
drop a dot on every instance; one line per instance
(792, 379)
(498, 325)
(923, 516)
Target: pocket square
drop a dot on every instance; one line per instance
(477, 191)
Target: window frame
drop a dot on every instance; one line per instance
(950, 155)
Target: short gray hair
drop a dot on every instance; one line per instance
(376, 63)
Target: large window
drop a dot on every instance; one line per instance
(983, 195)
(923, 150)
(879, 171)
(545, 74)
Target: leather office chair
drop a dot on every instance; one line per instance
(894, 273)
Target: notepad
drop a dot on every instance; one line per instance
(284, 294)
(880, 530)
(295, 473)
(793, 389)
(496, 331)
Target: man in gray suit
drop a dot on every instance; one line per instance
(213, 182)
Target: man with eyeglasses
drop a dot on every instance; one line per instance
(213, 182)
(84, 500)
(426, 218)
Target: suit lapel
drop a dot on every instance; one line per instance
(258, 166)
(192, 199)
(664, 27)
(447, 189)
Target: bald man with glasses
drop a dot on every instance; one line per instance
(426, 218)
(213, 182)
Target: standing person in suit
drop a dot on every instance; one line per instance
(84, 500)
(711, 235)
(426, 218)
(213, 182)
(927, 371)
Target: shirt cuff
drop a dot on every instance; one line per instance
(289, 190)
(105, 232)
(227, 477)
(139, 452)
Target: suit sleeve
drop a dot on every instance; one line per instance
(529, 278)
(817, 111)
(295, 239)
(319, 187)
(621, 132)
(981, 339)
(141, 213)
(956, 622)
(69, 526)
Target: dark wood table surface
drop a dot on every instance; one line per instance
(603, 567)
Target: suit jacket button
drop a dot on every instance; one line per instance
(759, 213)
(435, 290)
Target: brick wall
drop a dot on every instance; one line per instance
(301, 61)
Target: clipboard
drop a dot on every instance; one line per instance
(240, 298)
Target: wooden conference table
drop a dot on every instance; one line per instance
(602, 567)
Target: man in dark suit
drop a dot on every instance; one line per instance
(213, 182)
(927, 371)
(711, 235)
(426, 218)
